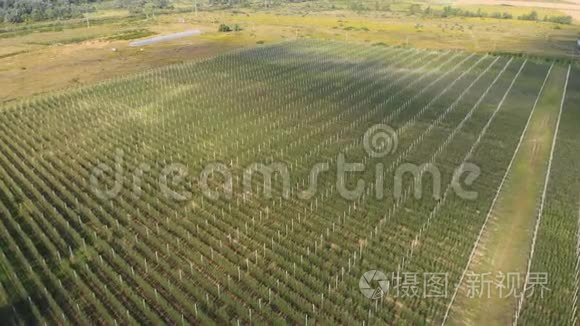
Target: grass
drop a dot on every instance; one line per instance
(131, 34)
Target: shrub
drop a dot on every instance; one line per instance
(566, 20)
(531, 16)
(224, 28)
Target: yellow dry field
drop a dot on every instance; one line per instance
(46, 60)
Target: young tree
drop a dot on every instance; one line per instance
(149, 9)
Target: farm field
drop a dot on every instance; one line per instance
(505, 244)
(558, 237)
(129, 201)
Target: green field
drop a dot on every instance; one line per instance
(106, 213)
(505, 244)
(557, 241)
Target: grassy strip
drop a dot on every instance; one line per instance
(505, 243)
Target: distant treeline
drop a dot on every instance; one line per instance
(18, 11)
(449, 11)
(143, 6)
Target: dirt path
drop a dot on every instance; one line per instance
(488, 295)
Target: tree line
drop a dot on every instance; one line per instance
(18, 11)
(449, 11)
